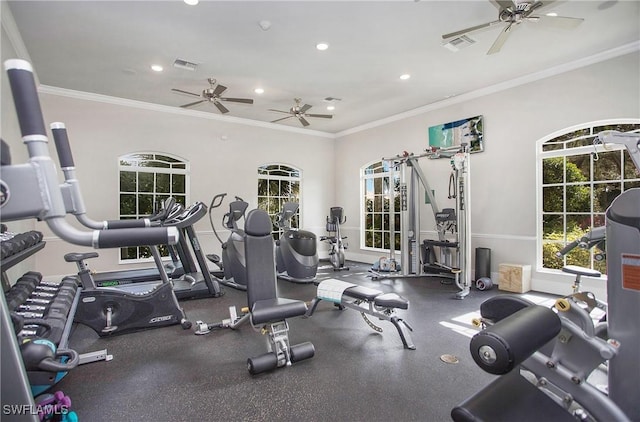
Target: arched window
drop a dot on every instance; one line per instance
(277, 184)
(378, 185)
(146, 179)
(577, 182)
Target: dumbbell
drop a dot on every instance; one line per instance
(57, 306)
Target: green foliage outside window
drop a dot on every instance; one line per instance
(146, 180)
(579, 183)
(277, 184)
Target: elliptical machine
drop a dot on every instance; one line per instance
(296, 250)
(337, 246)
(233, 263)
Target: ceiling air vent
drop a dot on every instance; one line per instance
(458, 43)
(330, 99)
(184, 64)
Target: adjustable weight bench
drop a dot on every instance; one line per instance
(367, 301)
(267, 311)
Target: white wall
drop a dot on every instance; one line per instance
(224, 157)
(503, 178)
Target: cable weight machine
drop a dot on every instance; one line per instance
(448, 256)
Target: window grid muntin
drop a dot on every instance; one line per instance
(146, 163)
(562, 148)
(283, 183)
(375, 222)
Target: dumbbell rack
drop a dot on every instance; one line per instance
(35, 300)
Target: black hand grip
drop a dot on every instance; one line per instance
(61, 139)
(503, 346)
(217, 200)
(25, 97)
(562, 252)
(52, 365)
(119, 238)
(126, 224)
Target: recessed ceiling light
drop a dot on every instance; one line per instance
(552, 14)
(265, 24)
(322, 46)
(191, 2)
(331, 108)
(156, 68)
(259, 91)
(405, 76)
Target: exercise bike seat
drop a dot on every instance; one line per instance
(574, 269)
(77, 256)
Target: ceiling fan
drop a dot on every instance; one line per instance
(513, 13)
(212, 95)
(300, 112)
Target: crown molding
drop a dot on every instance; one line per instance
(88, 96)
(502, 86)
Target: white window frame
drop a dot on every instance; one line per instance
(582, 150)
(297, 179)
(137, 168)
(363, 211)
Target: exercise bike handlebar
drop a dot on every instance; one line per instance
(35, 187)
(72, 186)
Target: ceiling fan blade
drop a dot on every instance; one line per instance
(283, 118)
(219, 90)
(304, 108)
(237, 100)
(562, 22)
(280, 111)
(470, 30)
(192, 104)
(303, 121)
(502, 38)
(185, 92)
(324, 116)
(220, 107)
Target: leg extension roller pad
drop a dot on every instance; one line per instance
(366, 301)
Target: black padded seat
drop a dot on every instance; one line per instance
(361, 292)
(574, 269)
(391, 300)
(262, 294)
(510, 398)
(276, 309)
(77, 256)
(501, 306)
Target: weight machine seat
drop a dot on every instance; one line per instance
(262, 295)
(510, 398)
(276, 309)
(385, 300)
(391, 300)
(499, 307)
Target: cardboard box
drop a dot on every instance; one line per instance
(514, 278)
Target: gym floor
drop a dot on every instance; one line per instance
(357, 374)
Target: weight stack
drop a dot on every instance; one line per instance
(483, 263)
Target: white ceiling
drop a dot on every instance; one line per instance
(107, 47)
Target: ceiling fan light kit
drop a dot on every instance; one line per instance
(511, 13)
